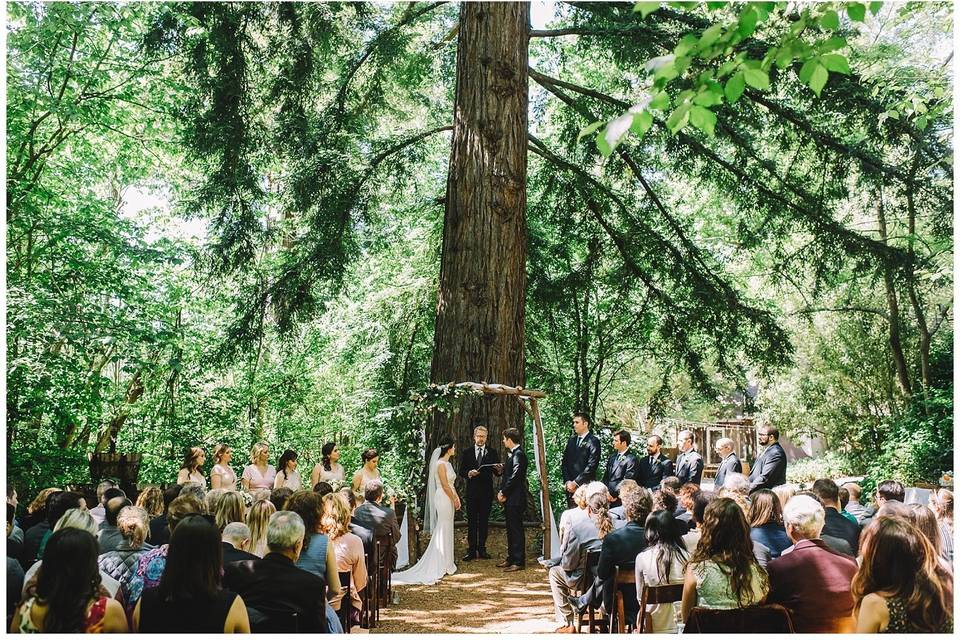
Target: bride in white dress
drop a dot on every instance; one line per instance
(441, 503)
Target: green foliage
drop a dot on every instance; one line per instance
(827, 465)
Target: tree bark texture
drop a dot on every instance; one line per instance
(479, 333)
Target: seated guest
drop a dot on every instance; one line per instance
(258, 519)
(68, 598)
(365, 535)
(941, 501)
(844, 501)
(853, 506)
(348, 550)
(189, 598)
(230, 509)
(899, 587)
(723, 572)
(323, 488)
(662, 562)
(922, 518)
(274, 583)
(620, 548)
(159, 531)
(151, 565)
(57, 507)
(835, 543)
(813, 580)
(279, 497)
(664, 500)
(35, 534)
(211, 500)
(887, 491)
(700, 501)
(737, 487)
(836, 525)
(37, 510)
(766, 522)
(317, 556)
(378, 518)
(99, 511)
(14, 546)
(151, 499)
(196, 490)
(133, 523)
(579, 510)
(109, 535)
(584, 535)
(234, 543)
(14, 585)
(72, 519)
(685, 500)
(785, 492)
(672, 484)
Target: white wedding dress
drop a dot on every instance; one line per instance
(438, 561)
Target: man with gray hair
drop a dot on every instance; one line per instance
(810, 578)
(273, 586)
(729, 462)
(236, 540)
(194, 489)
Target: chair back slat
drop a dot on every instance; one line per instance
(767, 618)
(346, 602)
(660, 594)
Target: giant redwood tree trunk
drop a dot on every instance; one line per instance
(480, 313)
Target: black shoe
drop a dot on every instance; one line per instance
(484, 555)
(469, 556)
(578, 605)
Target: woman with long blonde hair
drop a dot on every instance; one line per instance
(151, 500)
(230, 508)
(257, 519)
(259, 474)
(347, 547)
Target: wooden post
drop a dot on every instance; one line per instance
(544, 477)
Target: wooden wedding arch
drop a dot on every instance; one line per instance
(528, 400)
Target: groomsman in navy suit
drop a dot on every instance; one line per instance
(622, 465)
(581, 457)
(479, 491)
(770, 468)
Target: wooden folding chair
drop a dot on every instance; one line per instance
(595, 623)
(766, 618)
(661, 594)
(617, 616)
(367, 596)
(346, 602)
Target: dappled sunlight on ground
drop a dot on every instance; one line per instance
(479, 598)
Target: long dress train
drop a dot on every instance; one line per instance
(438, 560)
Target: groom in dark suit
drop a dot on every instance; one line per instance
(513, 497)
(479, 491)
(581, 457)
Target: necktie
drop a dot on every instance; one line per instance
(580, 441)
(651, 460)
(479, 454)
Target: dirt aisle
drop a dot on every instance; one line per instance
(479, 598)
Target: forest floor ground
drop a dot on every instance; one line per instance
(479, 597)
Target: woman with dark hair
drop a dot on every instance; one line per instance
(723, 572)
(901, 587)
(367, 472)
(662, 562)
(287, 475)
(67, 596)
(189, 598)
(317, 555)
(766, 522)
(190, 470)
(328, 469)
